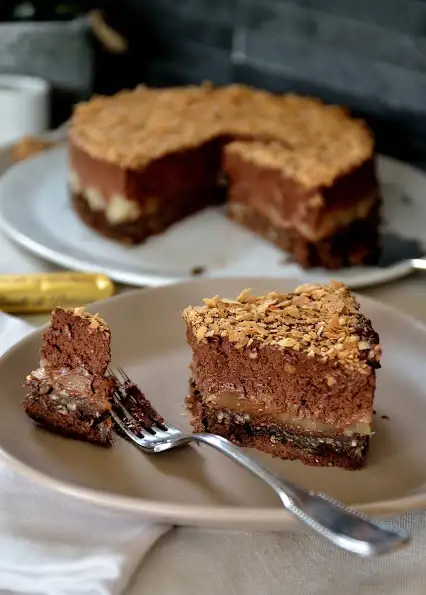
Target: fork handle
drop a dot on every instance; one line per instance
(344, 526)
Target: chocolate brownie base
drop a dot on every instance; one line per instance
(97, 431)
(137, 231)
(278, 439)
(356, 244)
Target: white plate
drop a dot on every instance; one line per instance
(35, 211)
(196, 485)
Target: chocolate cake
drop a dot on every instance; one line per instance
(70, 392)
(296, 171)
(290, 374)
(144, 416)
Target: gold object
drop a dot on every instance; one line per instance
(45, 291)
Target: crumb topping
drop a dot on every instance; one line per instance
(320, 320)
(132, 128)
(29, 146)
(96, 321)
(307, 165)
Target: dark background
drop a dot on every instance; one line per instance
(367, 54)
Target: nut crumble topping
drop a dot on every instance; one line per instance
(320, 320)
(96, 321)
(311, 166)
(132, 128)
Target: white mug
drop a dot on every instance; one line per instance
(24, 106)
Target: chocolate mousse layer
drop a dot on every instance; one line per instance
(298, 364)
(70, 393)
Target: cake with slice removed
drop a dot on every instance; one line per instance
(70, 392)
(294, 170)
(290, 374)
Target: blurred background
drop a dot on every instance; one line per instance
(369, 55)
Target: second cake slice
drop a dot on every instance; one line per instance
(290, 374)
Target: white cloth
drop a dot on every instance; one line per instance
(51, 544)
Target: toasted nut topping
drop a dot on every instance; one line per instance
(326, 325)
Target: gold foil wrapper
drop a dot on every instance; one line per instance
(43, 292)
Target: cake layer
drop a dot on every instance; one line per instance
(134, 128)
(71, 402)
(312, 447)
(76, 339)
(72, 424)
(148, 200)
(277, 191)
(355, 244)
(309, 354)
(247, 408)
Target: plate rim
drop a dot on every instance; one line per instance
(196, 514)
(153, 279)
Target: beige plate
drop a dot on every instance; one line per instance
(195, 485)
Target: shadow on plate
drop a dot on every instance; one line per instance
(396, 249)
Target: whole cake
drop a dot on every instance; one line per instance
(294, 170)
(70, 392)
(290, 374)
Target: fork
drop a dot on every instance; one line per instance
(345, 527)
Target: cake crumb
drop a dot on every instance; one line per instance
(195, 271)
(28, 146)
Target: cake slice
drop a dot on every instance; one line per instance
(290, 374)
(70, 393)
(306, 202)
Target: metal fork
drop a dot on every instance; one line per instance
(343, 526)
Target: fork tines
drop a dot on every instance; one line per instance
(132, 407)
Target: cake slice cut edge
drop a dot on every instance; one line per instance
(291, 374)
(70, 392)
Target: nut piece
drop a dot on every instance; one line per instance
(121, 210)
(94, 324)
(201, 333)
(243, 296)
(331, 381)
(287, 342)
(94, 199)
(364, 345)
(212, 302)
(292, 311)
